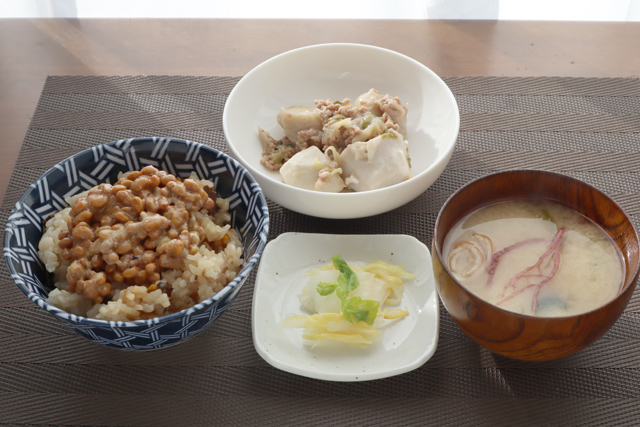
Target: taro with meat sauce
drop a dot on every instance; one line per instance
(341, 145)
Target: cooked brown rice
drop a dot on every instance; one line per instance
(201, 275)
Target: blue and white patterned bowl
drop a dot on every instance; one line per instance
(249, 216)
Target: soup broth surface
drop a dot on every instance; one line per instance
(535, 258)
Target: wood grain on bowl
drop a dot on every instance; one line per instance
(520, 336)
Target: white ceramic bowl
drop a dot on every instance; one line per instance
(337, 71)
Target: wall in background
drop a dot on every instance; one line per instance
(569, 10)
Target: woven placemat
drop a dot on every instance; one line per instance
(586, 128)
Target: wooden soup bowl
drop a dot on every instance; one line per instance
(519, 336)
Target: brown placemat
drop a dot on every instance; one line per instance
(586, 128)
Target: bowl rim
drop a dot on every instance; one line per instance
(437, 250)
(237, 282)
(442, 156)
(407, 250)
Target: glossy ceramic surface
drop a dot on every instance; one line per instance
(338, 71)
(404, 345)
(250, 216)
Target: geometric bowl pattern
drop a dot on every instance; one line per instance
(46, 196)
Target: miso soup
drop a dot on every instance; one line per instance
(535, 258)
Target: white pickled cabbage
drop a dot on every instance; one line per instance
(312, 301)
(326, 325)
(329, 328)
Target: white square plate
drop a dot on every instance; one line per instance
(404, 346)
